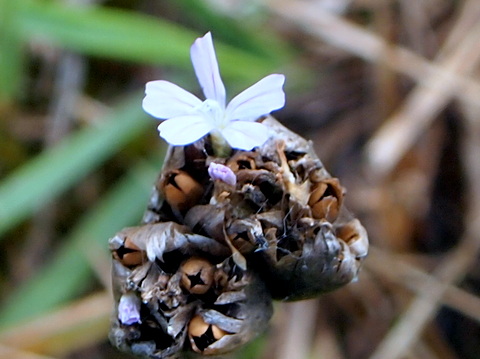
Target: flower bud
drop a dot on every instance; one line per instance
(129, 309)
(197, 275)
(222, 173)
(181, 191)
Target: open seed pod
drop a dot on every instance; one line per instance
(282, 211)
(240, 312)
(182, 277)
(223, 235)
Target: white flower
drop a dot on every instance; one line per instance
(189, 118)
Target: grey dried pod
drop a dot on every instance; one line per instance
(240, 312)
(221, 237)
(277, 206)
(242, 211)
(183, 278)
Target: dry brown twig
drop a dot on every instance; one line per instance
(297, 336)
(8, 352)
(430, 97)
(63, 331)
(394, 269)
(439, 81)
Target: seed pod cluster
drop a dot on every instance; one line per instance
(221, 237)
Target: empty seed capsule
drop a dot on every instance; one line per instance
(197, 275)
(181, 191)
(126, 252)
(202, 334)
(326, 199)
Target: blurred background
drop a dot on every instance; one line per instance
(387, 90)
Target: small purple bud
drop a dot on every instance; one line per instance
(129, 309)
(222, 173)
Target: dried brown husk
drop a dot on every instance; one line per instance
(240, 312)
(235, 302)
(285, 212)
(281, 231)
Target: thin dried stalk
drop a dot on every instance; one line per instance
(412, 278)
(325, 344)
(7, 352)
(400, 131)
(297, 335)
(385, 80)
(416, 16)
(65, 330)
(354, 39)
(439, 82)
(451, 270)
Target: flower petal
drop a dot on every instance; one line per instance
(246, 135)
(183, 130)
(259, 99)
(165, 100)
(205, 64)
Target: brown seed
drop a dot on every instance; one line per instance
(181, 190)
(197, 275)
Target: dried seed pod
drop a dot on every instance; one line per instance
(159, 238)
(126, 252)
(243, 160)
(197, 275)
(315, 267)
(202, 334)
(326, 199)
(181, 191)
(216, 253)
(304, 256)
(355, 236)
(239, 313)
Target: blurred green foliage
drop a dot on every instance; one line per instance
(119, 35)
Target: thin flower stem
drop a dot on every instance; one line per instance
(220, 146)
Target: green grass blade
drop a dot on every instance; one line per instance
(123, 35)
(233, 32)
(69, 272)
(55, 170)
(11, 58)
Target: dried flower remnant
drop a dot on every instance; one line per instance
(228, 227)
